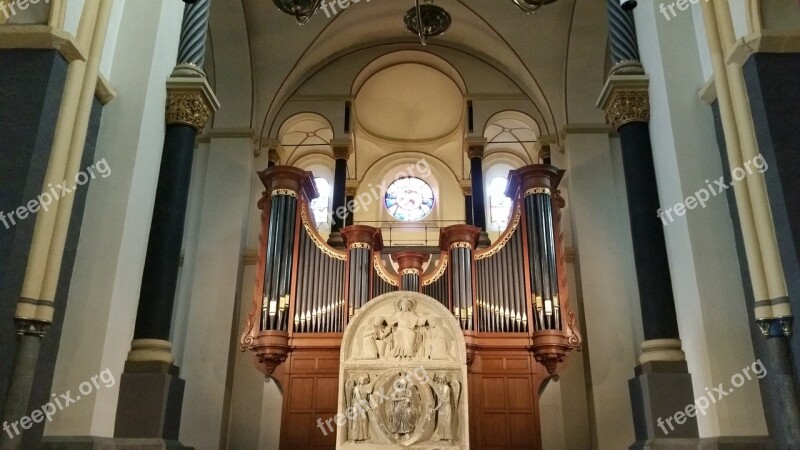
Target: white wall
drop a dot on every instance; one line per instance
(104, 294)
(705, 274)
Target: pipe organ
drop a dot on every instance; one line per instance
(510, 299)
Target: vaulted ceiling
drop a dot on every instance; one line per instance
(260, 59)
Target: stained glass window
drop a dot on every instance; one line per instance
(409, 199)
(319, 206)
(499, 204)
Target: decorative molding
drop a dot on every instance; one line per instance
(708, 93)
(250, 258)
(40, 37)
(585, 128)
(315, 238)
(376, 262)
(489, 251)
(288, 192)
(439, 271)
(228, 133)
(538, 190)
(765, 41)
(31, 327)
(104, 92)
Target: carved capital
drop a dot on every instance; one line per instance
(188, 108)
(625, 98)
(190, 99)
(476, 146)
(341, 148)
(628, 106)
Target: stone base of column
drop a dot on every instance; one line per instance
(660, 393)
(150, 402)
(336, 240)
(102, 443)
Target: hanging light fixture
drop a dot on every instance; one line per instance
(427, 20)
(531, 6)
(302, 10)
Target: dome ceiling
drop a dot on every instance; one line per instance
(409, 102)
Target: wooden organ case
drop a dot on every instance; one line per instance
(511, 300)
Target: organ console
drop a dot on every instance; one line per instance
(511, 298)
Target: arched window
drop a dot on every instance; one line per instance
(409, 199)
(319, 206)
(499, 204)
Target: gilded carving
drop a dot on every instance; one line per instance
(188, 108)
(627, 106)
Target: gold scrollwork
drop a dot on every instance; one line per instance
(626, 106)
(439, 272)
(379, 269)
(503, 239)
(288, 192)
(361, 245)
(409, 272)
(538, 190)
(312, 233)
(460, 245)
(188, 108)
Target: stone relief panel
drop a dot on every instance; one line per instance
(403, 377)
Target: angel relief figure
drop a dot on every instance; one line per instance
(358, 390)
(447, 395)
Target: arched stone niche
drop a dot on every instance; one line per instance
(403, 377)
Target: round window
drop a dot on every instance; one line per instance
(409, 199)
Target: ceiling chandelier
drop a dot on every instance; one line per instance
(302, 10)
(531, 6)
(434, 19)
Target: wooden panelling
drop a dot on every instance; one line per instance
(310, 393)
(503, 401)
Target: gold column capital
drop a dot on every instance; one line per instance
(190, 99)
(476, 146)
(341, 148)
(625, 99)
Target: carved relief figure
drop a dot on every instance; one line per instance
(436, 342)
(402, 413)
(404, 325)
(358, 404)
(444, 406)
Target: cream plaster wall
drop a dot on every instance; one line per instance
(705, 274)
(101, 311)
